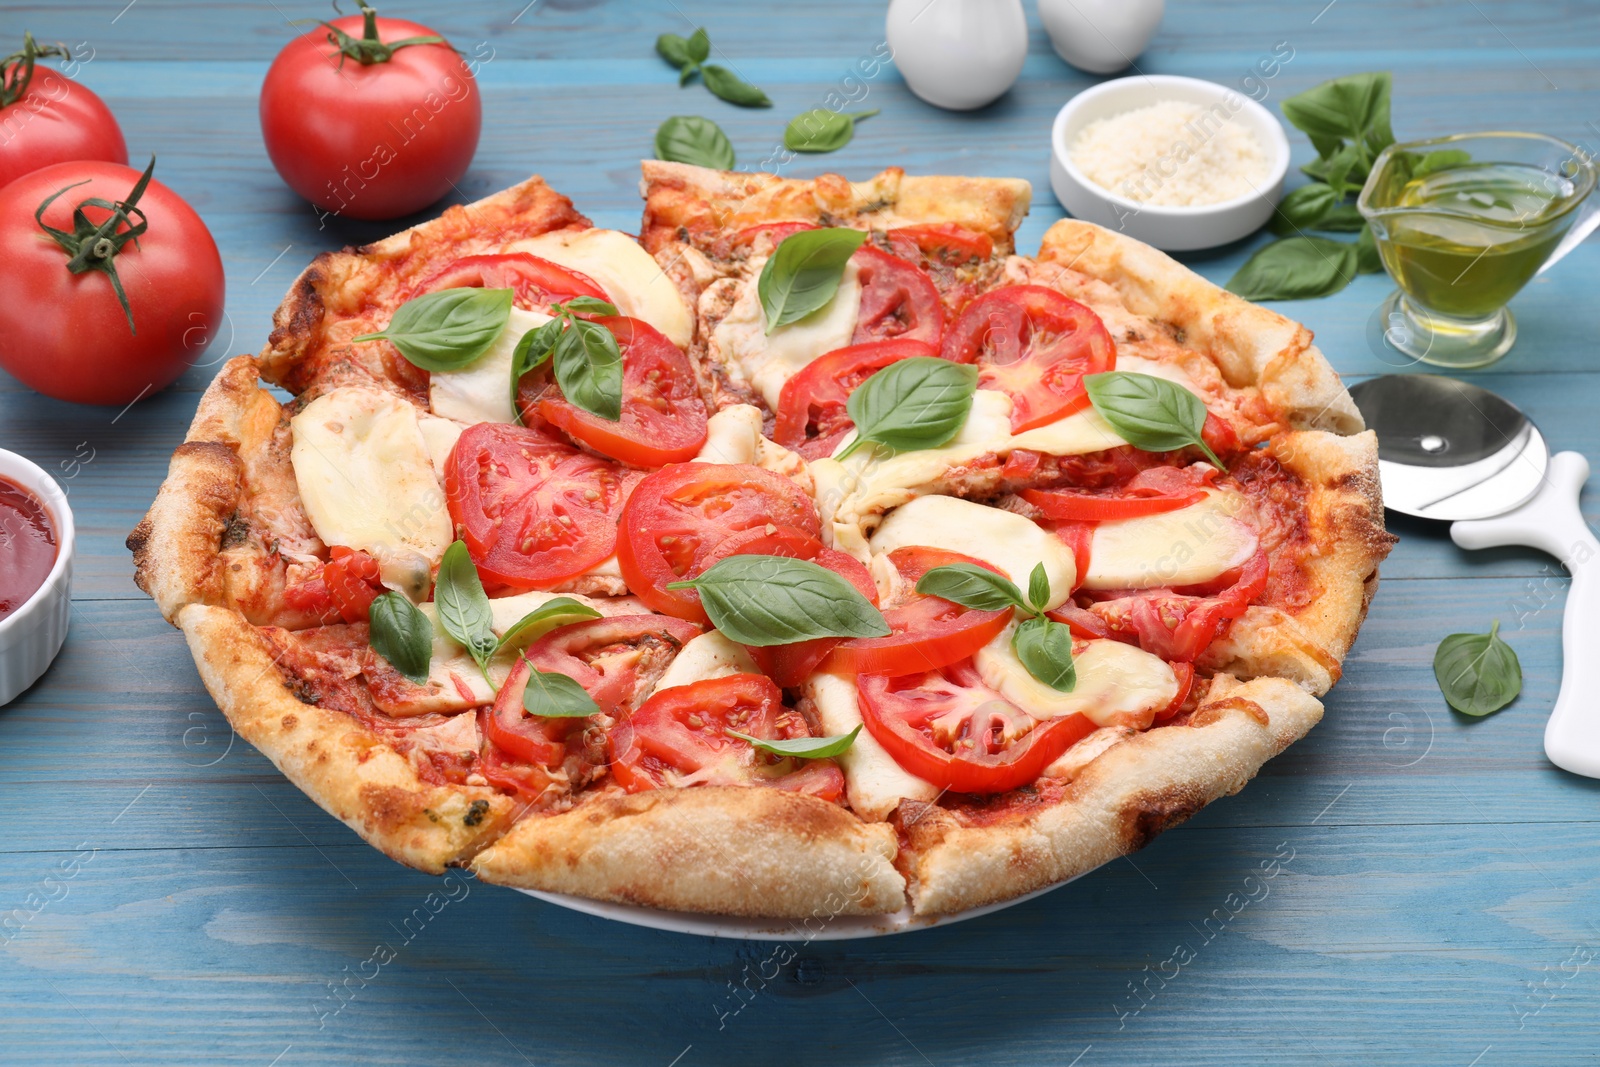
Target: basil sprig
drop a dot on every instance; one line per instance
(804, 273)
(685, 53)
(401, 634)
(692, 139)
(584, 355)
(821, 130)
(448, 329)
(1151, 413)
(463, 606)
(921, 402)
(801, 747)
(1043, 646)
(552, 695)
(774, 600)
(1477, 673)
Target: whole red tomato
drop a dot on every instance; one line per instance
(46, 117)
(64, 330)
(370, 127)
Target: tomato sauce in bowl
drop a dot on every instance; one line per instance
(28, 545)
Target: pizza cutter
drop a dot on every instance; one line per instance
(1451, 451)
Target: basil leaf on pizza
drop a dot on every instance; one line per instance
(1038, 587)
(536, 346)
(1044, 647)
(555, 696)
(974, 587)
(449, 329)
(588, 305)
(400, 633)
(801, 747)
(694, 140)
(588, 366)
(804, 273)
(1151, 413)
(921, 402)
(1478, 673)
(821, 130)
(775, 600)
(463, 606)
(549, 616)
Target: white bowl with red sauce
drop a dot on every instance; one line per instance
(36, 541)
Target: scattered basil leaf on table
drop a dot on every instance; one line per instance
(561, 611)
(974, 587)
(1296, 268)
(585, 357)
(463, 606)
(685, 53)
(1342, 218)
(1044, 647)
(774, 600)
(801, 747)
(1149, 412)
(1038, 587)
(921, 402)
(401, 634)
(804, 273)
(727, 85)
(1477, 673)
(1301, 209)
(695, 140)
(449, 329)
(555, 696)
(821, 130)
(1347, 120)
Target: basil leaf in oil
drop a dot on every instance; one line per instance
(551, 695)
(695, 140)
(1297, 268)
(821, 130)
(463, 606)
(921, 402)
(974, 587)
(804, 273)
(449, 329)
(401, 634)
(727, 85)
(801, 747)
(1149, 412)
(1478, 673)
(774, 600)
(1044, 647)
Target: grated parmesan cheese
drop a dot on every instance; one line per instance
(1173, 153)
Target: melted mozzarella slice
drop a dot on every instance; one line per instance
(708, 656)
(367, 482)
(1008, 541)
(1183, 547)
(631, 277)
(481, 391)
(874, 781)
(767, 361)
(1114, 679)
(440, 437)
(733, 435)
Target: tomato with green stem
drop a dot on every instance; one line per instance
(49, 118)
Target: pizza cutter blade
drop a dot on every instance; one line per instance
(1451, 451)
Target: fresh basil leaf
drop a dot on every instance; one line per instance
(821, 130)
(727, 85)
(921, 402)
(463, 606)
(1044, 647)
(1302, 208)
(1443, 159)
(449, 329)
(1342, 218)
(1296, 268)
(1477, 673)
(1368, 261)
(804, 273)
(536, 346)
(589, 305)
(588, 366)
(555, 696)
(801, 747)
(1038, 587)
(699, 45)
(675, 49)
(1149, 412)
(1352, 108)
(686, 73)
(692, 139)
(774, 600)
(401, 634)
(551, 615)
(1347, 168)
(974, 587)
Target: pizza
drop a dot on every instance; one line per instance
(811, 554)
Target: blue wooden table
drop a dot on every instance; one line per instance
(166, 897)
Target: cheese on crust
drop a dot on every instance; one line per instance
(630, 276)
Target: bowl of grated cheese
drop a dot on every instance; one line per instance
(1177, 163)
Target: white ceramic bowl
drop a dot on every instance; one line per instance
(1174, 229)
(31, 636)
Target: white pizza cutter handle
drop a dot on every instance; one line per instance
(1552, 522)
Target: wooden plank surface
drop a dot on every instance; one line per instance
(1430, 883)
